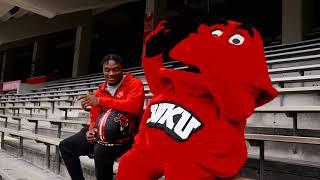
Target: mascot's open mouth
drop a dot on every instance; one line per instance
(186, 67)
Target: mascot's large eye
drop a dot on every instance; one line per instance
(217, 32)
(236, 39)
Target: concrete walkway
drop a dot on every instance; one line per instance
(13, 168)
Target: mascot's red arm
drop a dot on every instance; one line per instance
(152, 57)
(152, 62)
(151, 69)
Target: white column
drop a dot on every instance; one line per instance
(81, 56)
(3, 67)
(34, 59)
(292, 21)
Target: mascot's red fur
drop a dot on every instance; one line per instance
(193, 128)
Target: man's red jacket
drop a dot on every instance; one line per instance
(128, 98)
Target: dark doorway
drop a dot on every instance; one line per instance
(266, 16)
(22, 63)
(60, 54)
(119, 30)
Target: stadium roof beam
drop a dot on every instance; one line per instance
(31, 5)
(4, 8)
(51, 9)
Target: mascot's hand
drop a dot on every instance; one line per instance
(156, 42)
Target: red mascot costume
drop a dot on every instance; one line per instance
(193, 128)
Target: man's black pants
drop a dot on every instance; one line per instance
(77, 145)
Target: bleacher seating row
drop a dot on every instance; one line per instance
(295, 72)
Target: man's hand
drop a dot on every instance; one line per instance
(82, 98)
(89, 100)
(91, 136)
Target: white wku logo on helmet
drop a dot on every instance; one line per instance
(176, 121)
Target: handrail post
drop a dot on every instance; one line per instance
(261, 145)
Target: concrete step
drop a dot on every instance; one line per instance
(13, 168)
(280, 169)
(35, 154)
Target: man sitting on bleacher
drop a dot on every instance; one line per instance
(119, 92)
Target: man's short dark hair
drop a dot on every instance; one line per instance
(115, 57)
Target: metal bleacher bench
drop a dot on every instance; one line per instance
(299, 69)
(69, 95)
(293, 48)
(49, 96)
(69, 108)
(30, 108)
(292, 52)
(55, 122)
(290, 111)
(299, 89)
(282, 80)
(17, 118)
(292, 59)
(38, 102)
(259, 139)
(64, 91)
(37, 94)
(58, 87)
(299, 43)
(48, 141)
